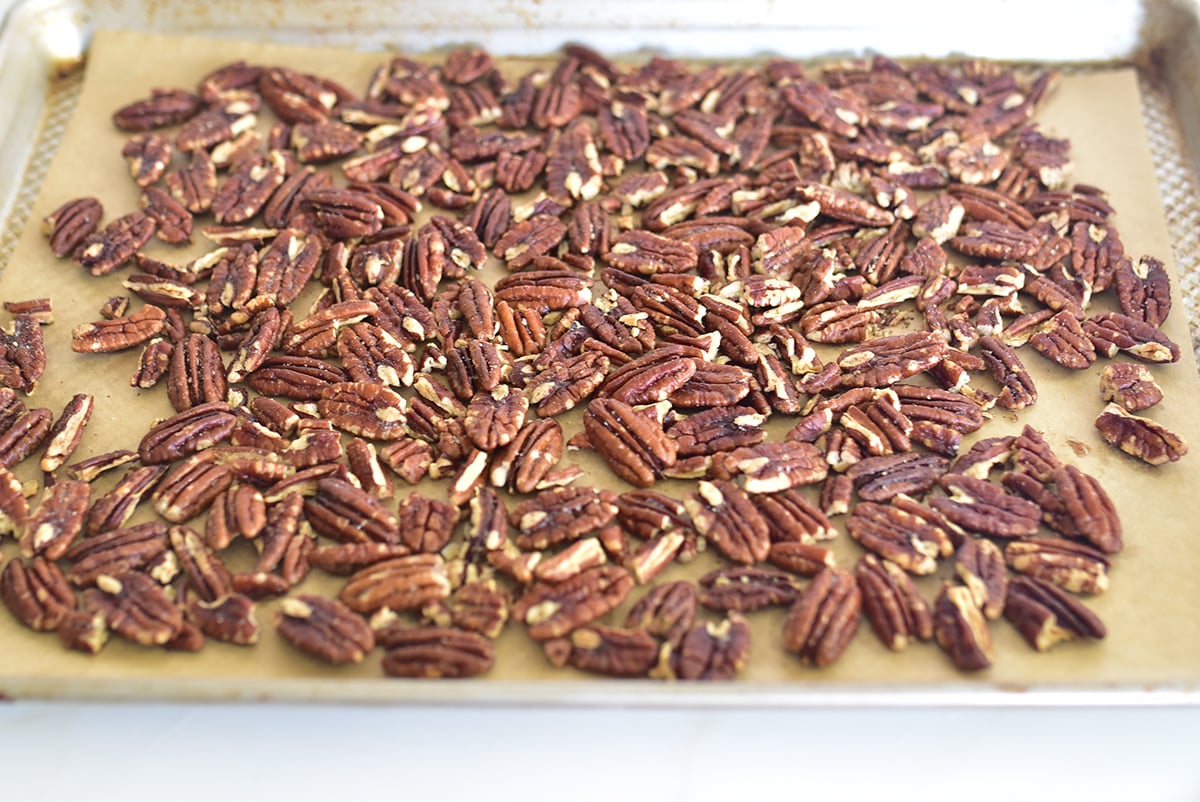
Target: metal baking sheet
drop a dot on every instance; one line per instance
(1148, 657)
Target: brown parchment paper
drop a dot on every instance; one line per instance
(1150, 610)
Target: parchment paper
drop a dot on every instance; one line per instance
(1150, 609)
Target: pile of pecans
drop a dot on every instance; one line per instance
(859, 250)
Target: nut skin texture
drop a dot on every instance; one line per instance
(961, 629)
(553, 610)
(892, 604)
(635, 447)
(325, 629)
(434, 652)
(1140, 437)
(1045, 615)
(824, 619)
(726, 515)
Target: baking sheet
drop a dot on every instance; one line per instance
(1149, 609)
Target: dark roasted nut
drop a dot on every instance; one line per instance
(772, 467)
(1070, 565)
(709, 651)
(247, 188)
(196, 373)
(187, 432)
(296, 97)
(36, 593)
(425, 524)
(114, 508)
(605, 650)
(69, 226)
(526, 461)
(14, 509)
(666, 611)
(525, 241)
(172, 221)
(960, 628)
(493, 418)
(985, 508)
(194, 186)
(190, 487)
(116, 552)
(1008, 370)
(746, 588)
(1063, 340)
(727, 516)
(1111, 332)
(1140, 437)
(1046, 616)
(103, 251)
(894, 607)
(24, 435)
(904, 531)
(481, 606)
(434, 652)
(324, 628)
(1144, 290)
(348, 514)
(137, 608)
(1087, 506)
(883, 477)
(402, 583)
(561, 515)
(551, 610)
(635, 447)
(980, 565)
(1130, 385)
(83, 631)
(58, 519)
(229, 619)
(118, 333)
(823, 620)
(163, 108)
(366, 409)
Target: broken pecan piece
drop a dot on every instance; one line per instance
(960, 628)
(1140, 437)
(1046, 616)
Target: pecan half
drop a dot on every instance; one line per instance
(823, 620)
(960, 628)
(36, 593)
(1067, 564)
(1140, 437)
(1130, 385)
(980, 565)
(635, 446)
(70, 225)
(1046, 616)
(747, 588)
(561, 515)
(985, 508)
(553, 610)
(137, 608)
(729, 518)
(894, 607)
(325, 629)
(710, 651)
(402, 583)
(434, 652)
